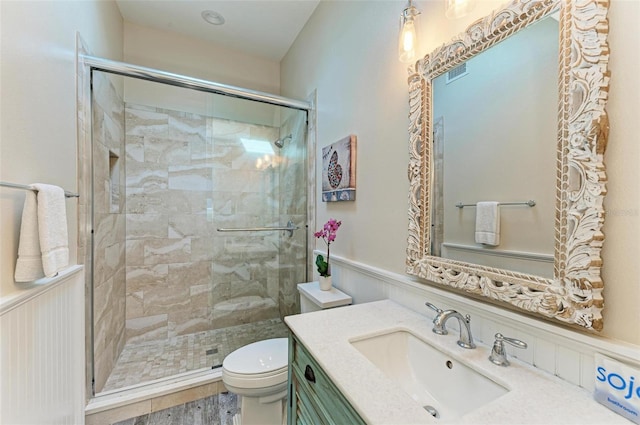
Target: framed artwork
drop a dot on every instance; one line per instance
(339, 170)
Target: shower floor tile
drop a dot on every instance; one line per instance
(148, 361)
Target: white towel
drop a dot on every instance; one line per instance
(29, 264)
(44, 240)
(488, 223)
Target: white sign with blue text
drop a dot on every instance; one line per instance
(618, 387)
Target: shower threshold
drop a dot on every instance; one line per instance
(113, 399)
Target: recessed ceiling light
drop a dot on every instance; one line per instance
(214, 18)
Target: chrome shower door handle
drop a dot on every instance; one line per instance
(290, 227)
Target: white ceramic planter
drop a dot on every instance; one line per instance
(325, 283)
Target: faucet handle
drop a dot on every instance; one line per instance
(438, 326)
(515, 342)
(433, 307)
(499, 354)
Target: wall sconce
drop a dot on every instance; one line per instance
(408, 41)
(458, 8)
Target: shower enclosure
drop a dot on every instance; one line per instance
(198, 223)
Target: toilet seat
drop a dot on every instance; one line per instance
(243, 381)
(262, 364)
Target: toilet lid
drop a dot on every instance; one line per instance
(259, 357)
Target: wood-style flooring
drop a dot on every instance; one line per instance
(218, 409)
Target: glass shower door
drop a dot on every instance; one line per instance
(256, 264)
(172, 294)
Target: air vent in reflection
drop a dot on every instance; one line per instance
(457, 73)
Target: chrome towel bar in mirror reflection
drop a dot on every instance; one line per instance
(530, 203)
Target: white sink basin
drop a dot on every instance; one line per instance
(445, 387)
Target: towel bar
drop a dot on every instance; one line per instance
(289, 228)
(530, 203)
(25, 187)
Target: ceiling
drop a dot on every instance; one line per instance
(264, 28)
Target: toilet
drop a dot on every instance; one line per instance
(257, 372)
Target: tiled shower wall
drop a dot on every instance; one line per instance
(188, 175)
(109, 227)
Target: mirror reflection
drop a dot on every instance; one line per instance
(495, 126)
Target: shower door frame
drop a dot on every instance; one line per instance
(86, 65)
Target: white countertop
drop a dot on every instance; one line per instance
(534, 397)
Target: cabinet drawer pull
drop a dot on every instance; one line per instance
(308, 373)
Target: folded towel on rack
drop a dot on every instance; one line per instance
(44, 242)
(52, 227)
(29, 264)
(488, 223)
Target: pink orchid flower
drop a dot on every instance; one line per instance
(328, 234)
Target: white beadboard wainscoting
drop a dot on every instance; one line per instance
(558, 350)
(42, 352)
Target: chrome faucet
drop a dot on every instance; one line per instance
(440, 321)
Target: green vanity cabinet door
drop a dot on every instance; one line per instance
(313, 398)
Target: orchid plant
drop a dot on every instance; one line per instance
(328, 234)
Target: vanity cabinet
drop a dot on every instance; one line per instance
(313, 398)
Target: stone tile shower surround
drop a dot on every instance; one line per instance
(187, 175)
(109, 225)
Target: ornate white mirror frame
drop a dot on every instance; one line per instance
(574, 294)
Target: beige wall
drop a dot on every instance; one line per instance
(621, 270)
(38, 103)
(196, 58)
(347, 51)
(200, 59)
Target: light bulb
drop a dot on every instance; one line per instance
(409, 36)
(408, 41)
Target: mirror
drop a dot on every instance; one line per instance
(496, 152)
(547, 260)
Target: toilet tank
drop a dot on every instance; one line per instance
(312, 298)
